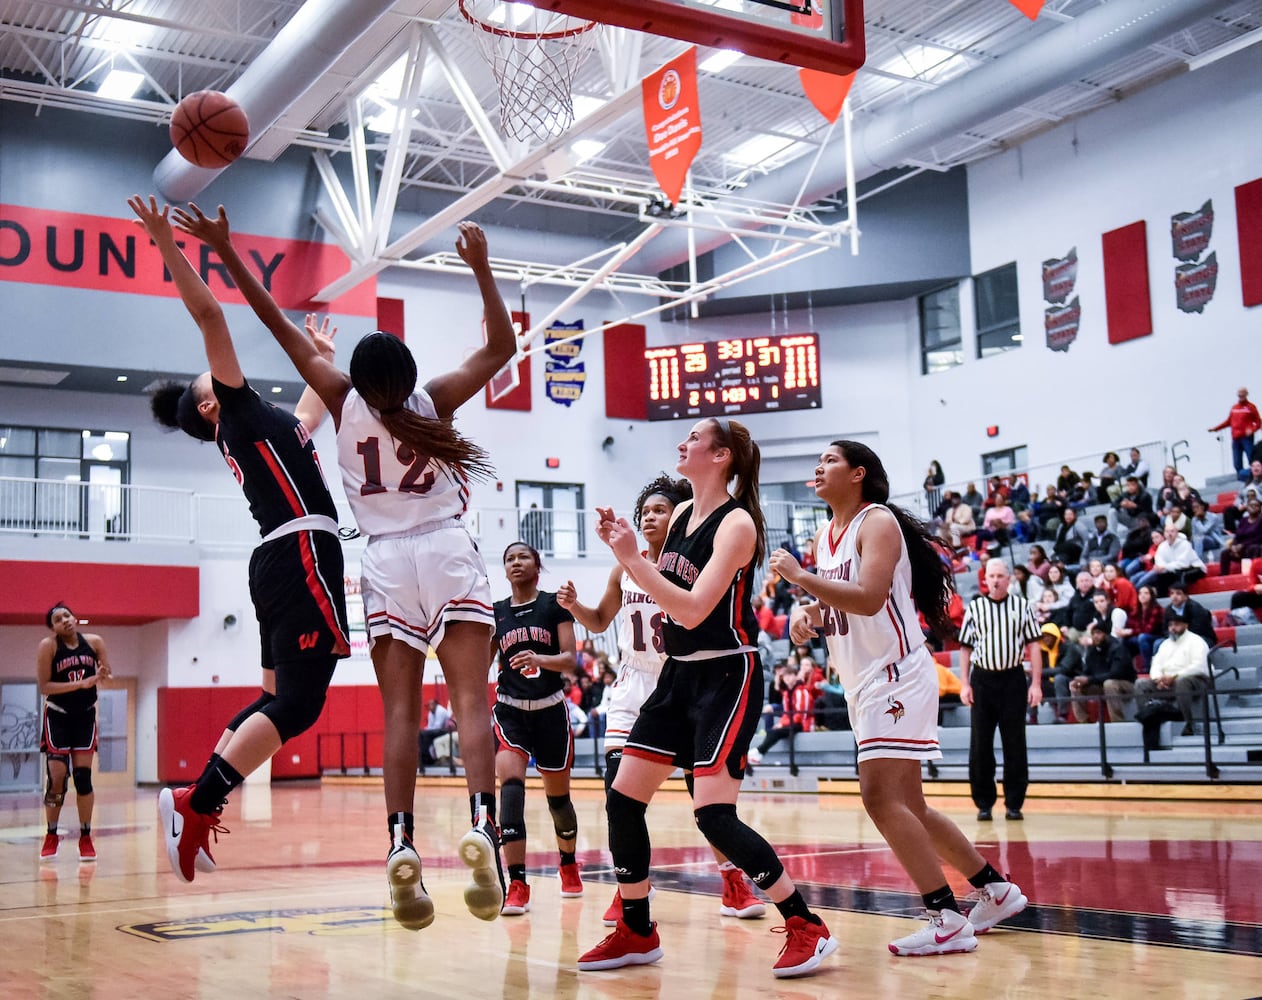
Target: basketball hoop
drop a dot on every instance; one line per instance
(534, 55)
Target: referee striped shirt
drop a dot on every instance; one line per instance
(998, 631)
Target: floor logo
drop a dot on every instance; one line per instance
(317, 922)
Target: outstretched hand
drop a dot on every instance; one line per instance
(471, 245)
(618, 534)
(213, 232)
(567, 596)
(150, 216)
(322, 335)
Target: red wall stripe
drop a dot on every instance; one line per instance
(390, 317)
(1249, 231)
(103, 593)
(1128, 301)
(626, 377)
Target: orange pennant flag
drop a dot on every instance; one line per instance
(1030, 8)
(672, 121)
(827, 91)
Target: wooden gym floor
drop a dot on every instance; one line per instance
(1128, 898)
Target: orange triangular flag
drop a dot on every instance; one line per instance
(1030, 8)
(827, 91)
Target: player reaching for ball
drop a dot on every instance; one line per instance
(406, 471)
(296, 573)
(642, 655)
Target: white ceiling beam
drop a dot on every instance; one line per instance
(459, 84)
(348, 230)
(396, 148)
(359, 167)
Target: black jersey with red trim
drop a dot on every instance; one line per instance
(530, 627)
(731, 624)
(70, 665)
(271, 454)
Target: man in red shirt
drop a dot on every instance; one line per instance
(1244, 421)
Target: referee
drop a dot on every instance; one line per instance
(998, 628)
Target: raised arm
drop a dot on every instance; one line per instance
(197, 298)
(452, 389)
(596, 619)
(310, 408)
(330, 384)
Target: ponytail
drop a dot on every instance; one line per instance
(746, 462)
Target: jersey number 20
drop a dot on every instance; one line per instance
(412, 481)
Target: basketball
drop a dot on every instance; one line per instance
(209, 129)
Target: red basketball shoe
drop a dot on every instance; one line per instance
(806, 946)
(623, 947)
(48, 851)
(571, 881)
(87, 851)
(187, 833)
(738, 898)
(518, 901)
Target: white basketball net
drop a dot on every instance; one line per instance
(534, 55)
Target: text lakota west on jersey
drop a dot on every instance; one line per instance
(531, 633)
(673, 562)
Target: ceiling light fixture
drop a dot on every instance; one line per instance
(120, 85)
(719, 61)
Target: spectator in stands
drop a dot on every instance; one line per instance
(1064, 660)
(1136, 567)
(933, 486)
(1250, 598)
(796, 716)
(1252, 487)
(1045, 610)
(1121, 590)
(774, 704)
(1185, 493)
(1133, 501)
(1048, 512)
(1107, 611)
(1108, 670)
(1207, 529)
(1110, 476)
(1174, 560)
(438, 723)
(955, 612)
(1177, 516)
(1071, 540)
(1244, 421)
(1096, 568)
(949, 688)
(1083, 494)
(1021, 580)
(998, 522)
(1059, 582)
(1019, 495)
(1137, 467)
(1198, 617)
(1026, 529)
(1038, 564)
(830, 703)
(1180, 669)
(958, 523)
(1102, 544)
(1146, 626)
(996, 486)
(1247, 542)
(1066, 481)
(1080, 612)
(974, 500)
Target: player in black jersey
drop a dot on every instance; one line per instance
(69, 665)
(706, 706)
(534, 642)
(296, 573)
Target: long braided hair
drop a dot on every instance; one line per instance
(383, 372)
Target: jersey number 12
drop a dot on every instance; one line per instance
(370, 449)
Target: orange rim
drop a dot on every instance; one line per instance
(492, 29)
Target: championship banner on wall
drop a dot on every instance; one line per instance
(1061, 319)
(672, 122)
(564, 375)
(1195, 280)
(104, 254)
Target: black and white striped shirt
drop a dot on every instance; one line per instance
(998, 631)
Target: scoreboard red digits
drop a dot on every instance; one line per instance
(732, 377)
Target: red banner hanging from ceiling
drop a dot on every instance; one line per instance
(1030, 8)
(672, 122)
(827, 91)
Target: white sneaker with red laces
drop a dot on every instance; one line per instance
(738, 897)
(946, 933)
(623, 947)
(995, 902)
(805, 947)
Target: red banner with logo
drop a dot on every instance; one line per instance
(672, 122)
(97, 252)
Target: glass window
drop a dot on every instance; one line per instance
(996, 463)
(940, 342)
(17, 441)
(62, 444)
(551, 518)
(998, 316)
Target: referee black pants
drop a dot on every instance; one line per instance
(999, 701)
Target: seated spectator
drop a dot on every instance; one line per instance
(1071, 540)
(1025, 529)
(1137, 567)
(996, 487)
(974, 500)
(1180, 670)
(1146, 626)
(830, 704)
(1108, 670)
(1107, 611)
(1252, 487)
(1167, 491)
(1176, 515)
(1082, 495)
(955, 611)
(1174, 560)
(1045, 609)
(1109, 485)
(1048, 512)
(808, 553)
(1137, 467)
(1137, 540)
(1066, 481)
(1184, 493)
(578, 719)
(1198, 617)
(1063, 659)
(949, 688)
(1059, 582)
(1121, 591)
(1021, 580)
(1102, 544)
(1080, 612)
(1095, 567)
(957, 523)
(796, 716)
(1251, 598)
(774, 704)
(1207, 529)
(1247, 541)
(438, 722)
(1019, 495)
(1038, 564)
(998, 522)
(1132, 502)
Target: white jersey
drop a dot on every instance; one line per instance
(640, 630)
(862, 646)
(389, 493)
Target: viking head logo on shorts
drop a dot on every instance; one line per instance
(895, 710)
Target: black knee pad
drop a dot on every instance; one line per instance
(300, 692)
(82, 780)
(512, 811)
(54, 796)
(255, 706)
(564, 822)
(747, 850)
(628, 837)
(613, 760)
